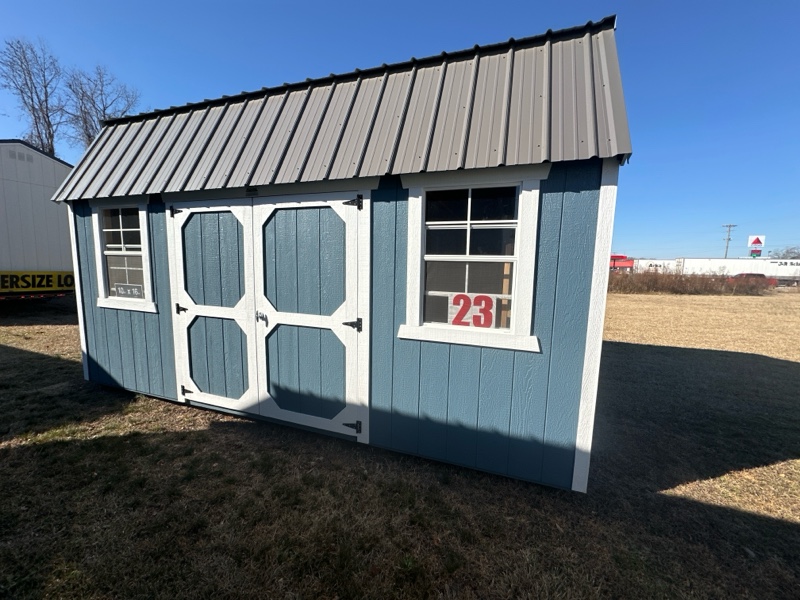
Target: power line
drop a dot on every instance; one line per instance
(727, 238)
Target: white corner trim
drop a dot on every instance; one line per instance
(78, 294)
(448, 334)
(594, 333)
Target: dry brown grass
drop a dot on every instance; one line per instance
(766, 325)
(693, 491)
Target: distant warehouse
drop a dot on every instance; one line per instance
(413, 256)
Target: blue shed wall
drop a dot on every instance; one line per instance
(129, 349)
(507, 412)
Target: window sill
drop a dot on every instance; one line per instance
(449, 334)
(132, 305)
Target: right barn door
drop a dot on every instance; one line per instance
(308, 324)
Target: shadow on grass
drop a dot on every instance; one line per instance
(40, 393)
(59, 310)
(259, 510)
(244, 509)
(667, 416)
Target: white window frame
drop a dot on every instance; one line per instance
(103, 299)
(518, 336)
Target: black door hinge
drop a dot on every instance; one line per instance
(174, 211)
(358, 201)
(184, 391)
(354, 324)
(356, 426)
(179, 309)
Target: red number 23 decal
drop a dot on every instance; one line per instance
(483, 304)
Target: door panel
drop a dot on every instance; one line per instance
(306, 261)
(304, 250)
(213, 247)
(266, 296)
(306, 371)
(218, 357)
(214, 310)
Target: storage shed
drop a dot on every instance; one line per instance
(414, 256)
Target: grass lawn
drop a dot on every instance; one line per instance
(694, 489)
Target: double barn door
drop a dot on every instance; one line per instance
(268, 318)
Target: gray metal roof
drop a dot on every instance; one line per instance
(548, 98)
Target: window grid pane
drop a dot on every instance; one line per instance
(122, 252)
(480, 223)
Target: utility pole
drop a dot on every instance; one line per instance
(727, 238)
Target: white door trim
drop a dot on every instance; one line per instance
(356, 305)
(243, 313)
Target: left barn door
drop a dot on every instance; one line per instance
(213, 305)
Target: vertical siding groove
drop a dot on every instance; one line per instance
(434, 116)
(506, 115)
(560, 192)
(277, 168)
(470, 107)
(372, 121)
(401, 125)
(316, 131)
(267, 137)
(343, 129)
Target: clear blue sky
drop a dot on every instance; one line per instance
(712, 87)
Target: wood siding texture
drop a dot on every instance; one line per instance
(502, 411)
(304, 258)
(133, 350)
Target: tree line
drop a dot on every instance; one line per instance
(60, 103)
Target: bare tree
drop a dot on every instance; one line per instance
(94, 97)
(33, 75)
(789, 252)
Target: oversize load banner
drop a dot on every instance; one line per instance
(36, 281)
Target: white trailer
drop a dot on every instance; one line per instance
(35, 254)
(785, 271)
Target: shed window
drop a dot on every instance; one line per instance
(123, 263)
(471, 259)
(122, 253)
(469, 256)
